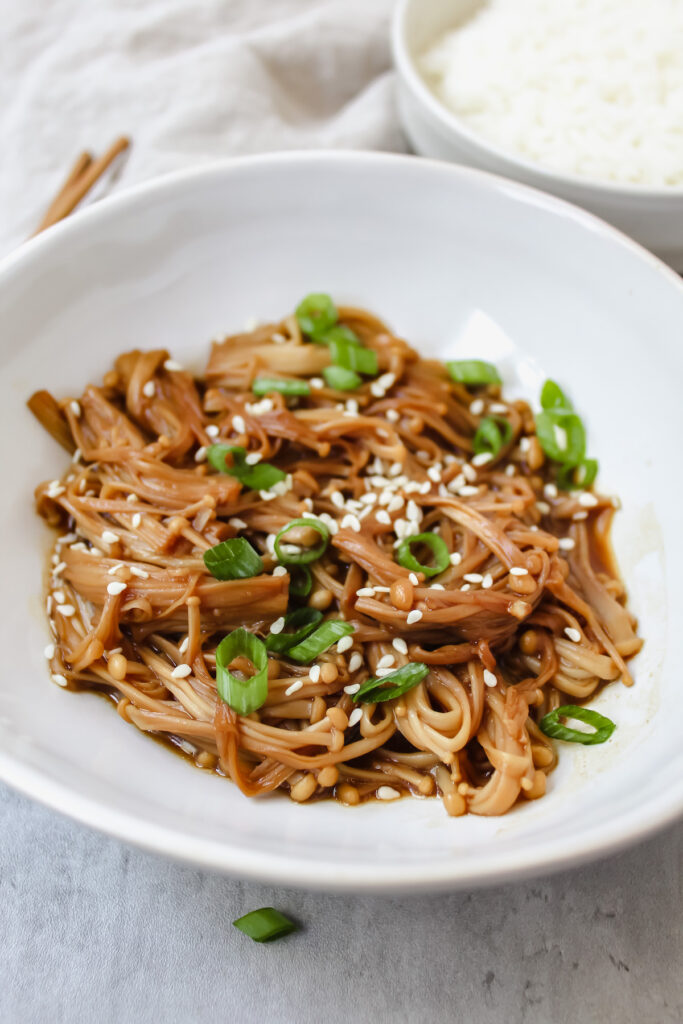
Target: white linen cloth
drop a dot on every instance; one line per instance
(188, 81)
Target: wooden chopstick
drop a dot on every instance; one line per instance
(80, 179)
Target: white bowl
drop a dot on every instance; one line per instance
(460, 262)
(653, 216)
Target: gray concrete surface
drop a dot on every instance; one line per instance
(94, 931)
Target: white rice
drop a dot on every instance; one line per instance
(588, 87)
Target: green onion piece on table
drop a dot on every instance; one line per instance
(298, 625)
(260, 477)
(340, 379)
(242, 695)
(304, 555)
(289, 388)
(374, 691)
(233, 559)
(354, 357)
(493, 433)
(316, 314)
(550, 724)
(325, 635)
(473, 372)
(436, 544)
(265, 925)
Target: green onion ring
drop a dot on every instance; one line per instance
(551, 726)
(243, 695)
(437, 545)
(307, 555)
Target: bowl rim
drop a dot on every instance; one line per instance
(583, 187)
(273, 868)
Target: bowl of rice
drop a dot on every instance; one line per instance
(582, 99)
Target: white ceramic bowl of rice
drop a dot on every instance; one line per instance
(584, 100)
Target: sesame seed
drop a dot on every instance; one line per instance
(49, 652)
(517, 570)
(498, 407)
(369, 499)
(579, 516)
(132, 498)
(279, 570)
(184, 645)
(352, 406)
(267, 495)
(76, 457)
(524, 444)
(109, 537)
(543, 507)
(387, 792)
(550, 491)
(314, 673)
(253, 458)
(251, 323)
(238, 424)
(387, 380)
(148, 389)
(171, 365)
(468, 491)
(393, 415)
(413, 579)
(337, 499)
(414, 616)
(114, 569)
(344, 644)
(365, 592)
(561, 439)
(278, 338)
(477, 407)
(212, 430)
(59, 569)
(200, 454)
(278, 625)
(351, 522)
(396, 503)
(55, 489)
(399, 644)
(434, 474)
(437, 586)
(67, 610)
(296, 685)
(355, 662)
(141, 574)
(566, 543)
(573, 634)
(59, 596)
(481, 459)
(386, 661)
(181, 671)
(465, 586)
(487, 581)
(237, 524)
(473, 577)
(426, 487)
(455, 558)
(413, 511)
(352, 688)
(490, 678)
(59, 679)
(75, 408)
(317, 383)
(395, 468)
(116, 587)
(510, 470)
(136, 520)
(588, 500)
(355, 715)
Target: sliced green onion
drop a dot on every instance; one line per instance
(340, 332)
(299, 624)
(290, 388)
(473, 372)
(306, 555)
(437, 546)
(265, 925)
(325, 635)
(233, 559)
(551, 726)
(561, 436)
(243, 695)
(553, 397)
(354, 357)
(373, 691)
(570, 477)
(300, 581)
(316, 314)
(340, 379)
(260, 477)
(493, 433)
